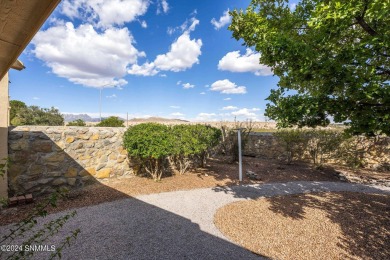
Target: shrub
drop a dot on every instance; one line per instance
(192, 144)
(317, 145)
(78, 122)
(112, 121)
(293, 143)
(154, 145)
(151, 144)
(323, 144)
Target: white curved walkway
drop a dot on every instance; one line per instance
(174, 225)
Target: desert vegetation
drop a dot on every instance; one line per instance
(21, 114)
(155, 148)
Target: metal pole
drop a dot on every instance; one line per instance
(239, 155)
(100, 104)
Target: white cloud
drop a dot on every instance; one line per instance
(175, 107)
(248, 62)
(177, 114)
(170, 30)
(183, 53)
(144, 24)
(202, 93)
(187, 86)
(246, 113)
(227, 87)
(35, 98)
(146, 69)
(112, 96)
(85, 56)
(188, 26)
(103, 13)
(178, 83)
(227, 99)
(165, 6)
(223, 20)
(230, 108)
(205, 116)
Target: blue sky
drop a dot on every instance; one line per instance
(167, 58)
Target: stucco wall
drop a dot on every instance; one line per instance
(45, 158)
(4, 106)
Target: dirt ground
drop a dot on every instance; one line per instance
(218, 172)
(341, 225)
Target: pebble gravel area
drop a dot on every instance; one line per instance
(173, 225)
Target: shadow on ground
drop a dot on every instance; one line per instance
(124, 229)
(363, 218)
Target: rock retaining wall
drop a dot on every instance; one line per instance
(374, 153)
(44, 158)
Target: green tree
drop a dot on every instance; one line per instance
(112, 121)
(333, 55)
(33, 115)
(16, 107)
(78, 122)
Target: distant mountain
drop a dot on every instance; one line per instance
(84, 117)
(157, 120)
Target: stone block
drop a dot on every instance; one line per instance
(69, 139)
(13, 201)
(55, 157)
(36, 169)
(71, 172)
(43, 146)
(15, 170)
(95, 137)
(59, 181)
(89, 144)
(21, 200)
(15, 136)
(121, 159)
(71, 181)
(103, 173)
(45, 181)
(88, 171)
(29, 198)
(84, 136)
(19, 145)
(84, 157)
(78, 146)
(86, 179)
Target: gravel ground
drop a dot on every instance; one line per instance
(172, 225)
(328, 225)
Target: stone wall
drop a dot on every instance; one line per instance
(262, 145)
(374, 153)
(44, 158)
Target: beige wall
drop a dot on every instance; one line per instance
(4, 105)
